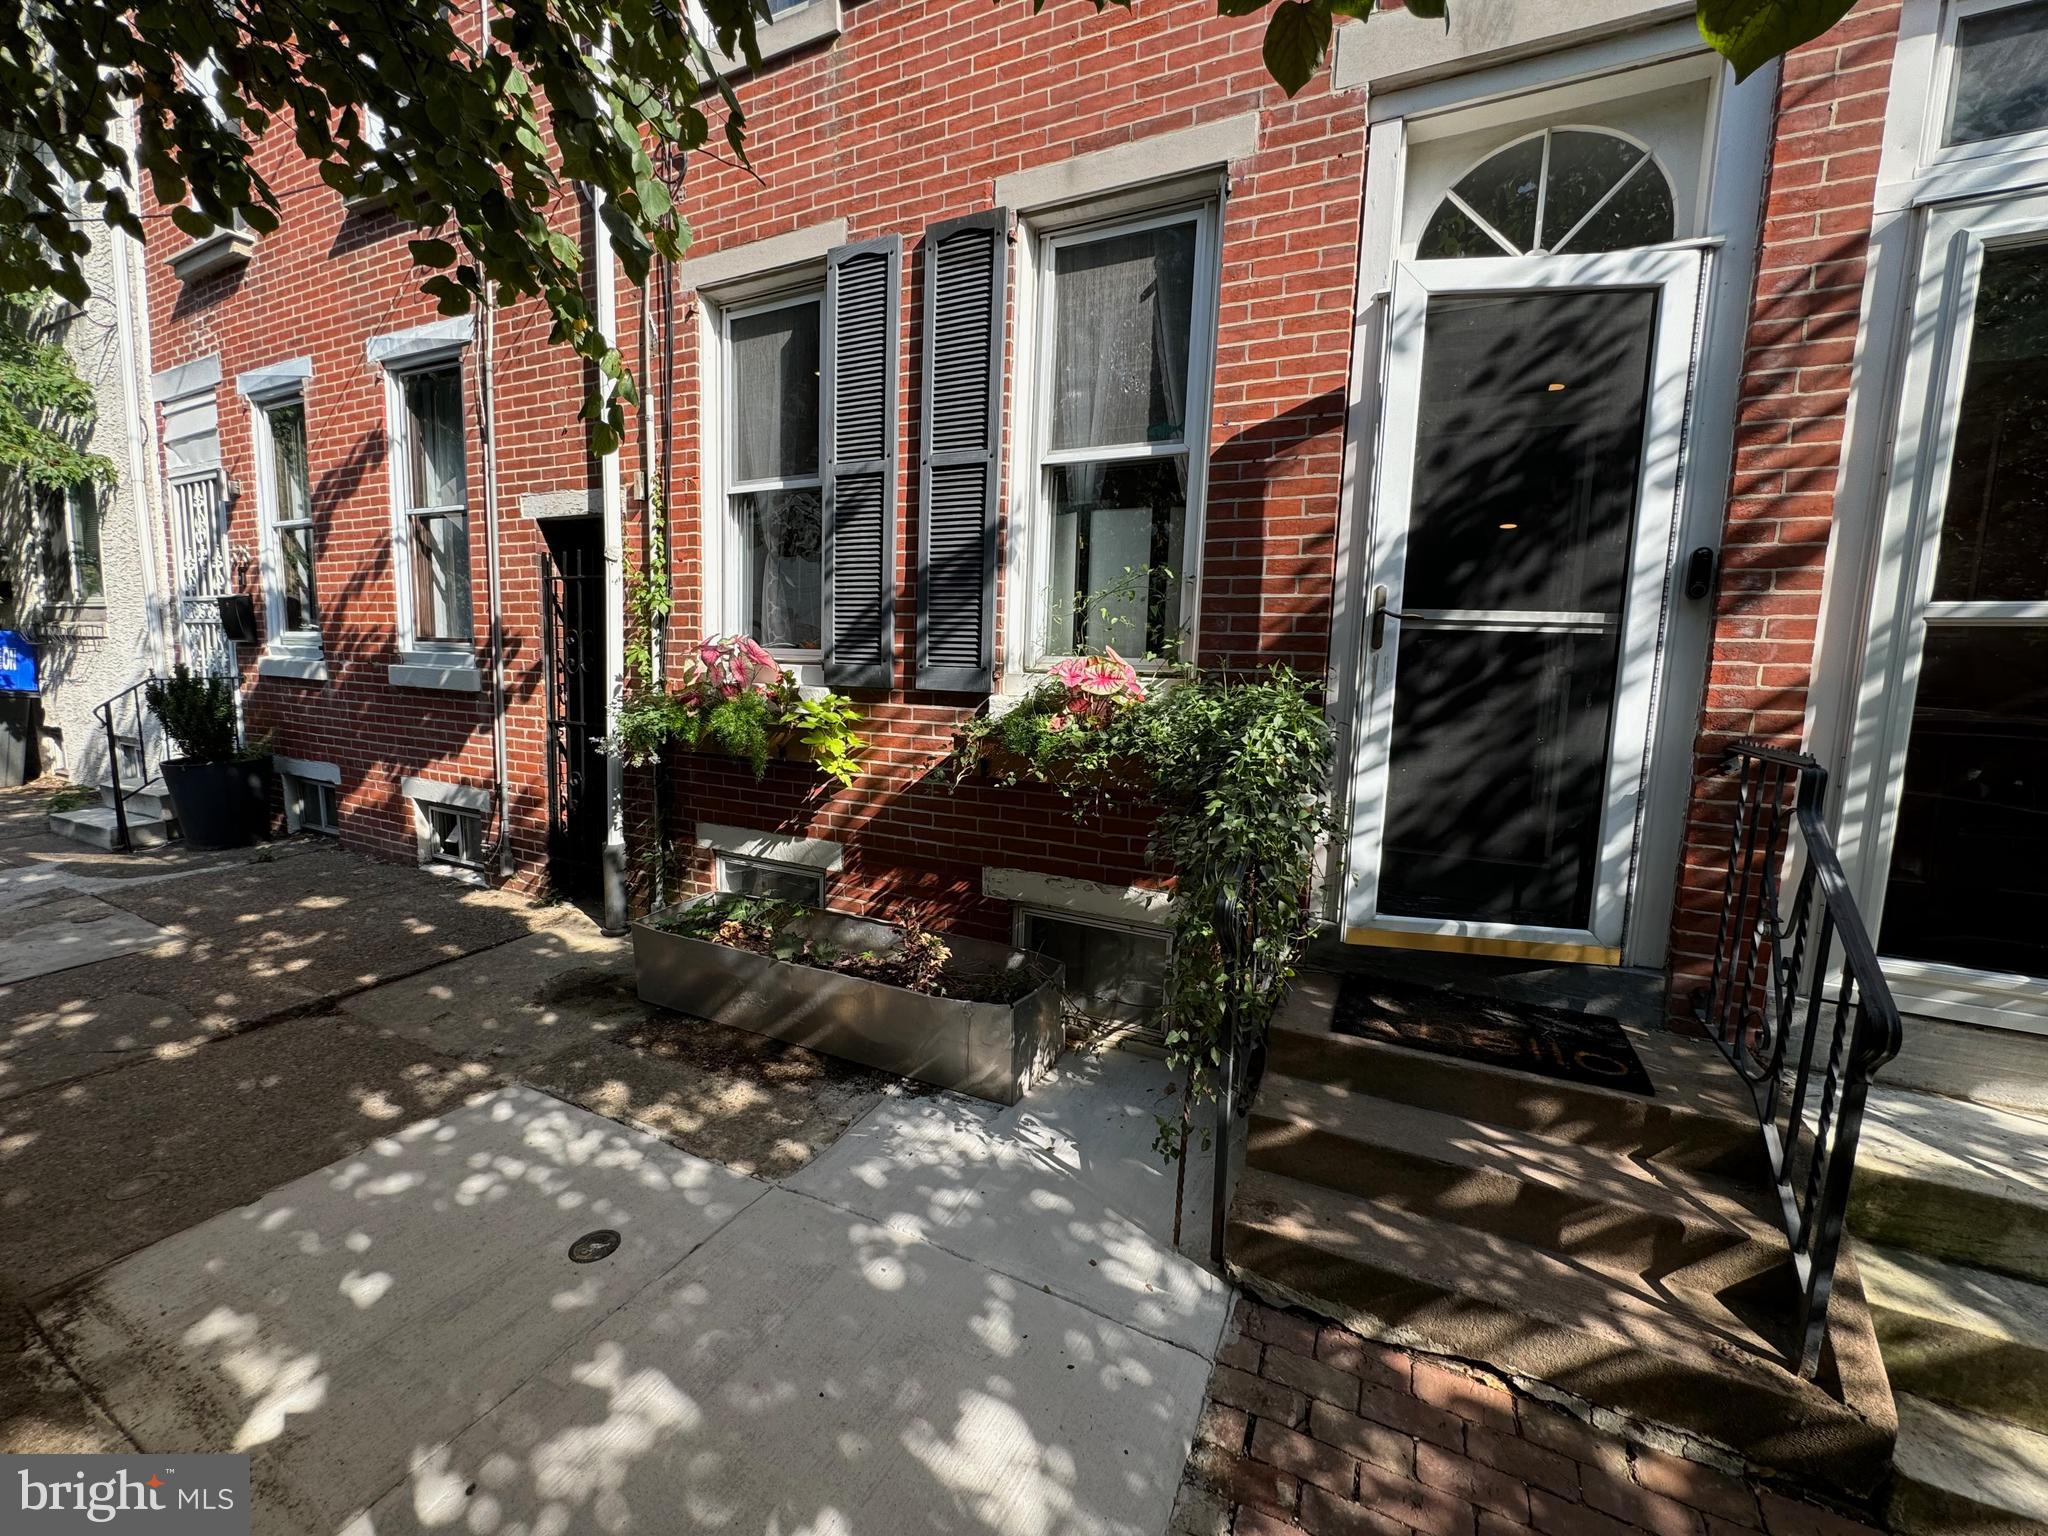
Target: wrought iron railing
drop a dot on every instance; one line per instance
(1237, 938)
(1792, 956)
(134, 697)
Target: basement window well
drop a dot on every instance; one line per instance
(1115, 973)
(769, 878)
(309, 805)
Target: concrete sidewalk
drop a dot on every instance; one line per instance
(873, 1346)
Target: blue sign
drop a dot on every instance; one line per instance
(17, 663)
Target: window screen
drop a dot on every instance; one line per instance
(1114, 975)
(767, 878)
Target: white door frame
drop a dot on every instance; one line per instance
(1674, 272)
(1936, 361)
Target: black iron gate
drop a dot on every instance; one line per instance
(572, 643)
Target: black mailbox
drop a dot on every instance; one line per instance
(238, 618)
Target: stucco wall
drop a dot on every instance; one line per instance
(88, 652)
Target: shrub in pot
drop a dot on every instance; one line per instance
(221, 792)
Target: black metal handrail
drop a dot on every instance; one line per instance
(1237, 940)
(134, 696)
(1774, 970)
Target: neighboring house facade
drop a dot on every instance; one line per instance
(1572, 408)
(79, 569)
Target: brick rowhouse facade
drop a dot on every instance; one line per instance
(907, 117)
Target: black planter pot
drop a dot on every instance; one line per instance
(220, 805)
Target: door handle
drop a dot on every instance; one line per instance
(1380, 614)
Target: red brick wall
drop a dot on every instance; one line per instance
(907, 119)
(1788, 442)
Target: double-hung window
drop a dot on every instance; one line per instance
(432, 485)
(286, 499)
(1123, 389)
(774, 490)
(74, 546)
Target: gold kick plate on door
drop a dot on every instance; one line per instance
(1462, 944)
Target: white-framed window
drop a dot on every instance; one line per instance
(744, 876)
(1989, 97)
(310, 805)
(431, 494)
(452, 835)
(75, 572)
(1115, 456)
(284, 497)
(770, 466)
(1567, 190)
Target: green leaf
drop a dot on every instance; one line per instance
(1430, 10)
(1750, 33)
(432, 253)
(1296, 35)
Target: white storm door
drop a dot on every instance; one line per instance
(1522, 551)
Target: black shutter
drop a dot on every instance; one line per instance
(859, 406)
(966, 274)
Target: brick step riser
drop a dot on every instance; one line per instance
(1540, 1106)
(1702, 1255)
(1849, 1457)
(1976, 1372)
(1963, 1226)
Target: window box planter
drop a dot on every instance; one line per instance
(220, 805)
(991, 1050)
(989, 761)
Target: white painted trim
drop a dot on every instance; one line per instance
(307, 768)
(1733, 161)
(463, 797)
(761, 258)
(287, 378)
(1027, 552)
(302, 646)
(451, 676)
(193, 378)
(772, 847)
(299, 667)
(817, 22)
(1139, 906)
(419, 655)
(422, 344)
(1122, 167)
(1393, 49)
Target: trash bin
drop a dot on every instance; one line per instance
(21, 729)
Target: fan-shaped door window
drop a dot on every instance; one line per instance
(1570, 190)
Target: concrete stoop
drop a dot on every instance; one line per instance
(151, 821)
(1619, 1250)
(1951, 1214)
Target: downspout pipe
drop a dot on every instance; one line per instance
(131, 301)
(612, 502)
(487, 407)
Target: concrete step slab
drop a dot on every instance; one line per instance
(1965, 1474)
(95, 827)
(152, 799)
(1961, 1336)
(1599, 1207)
(1687, 1361)
(1699, 1116)
(1956, 1180)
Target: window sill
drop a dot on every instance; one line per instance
(817, 22)
(84, 619)
(222, 249)
(452, 676)
(299, 666)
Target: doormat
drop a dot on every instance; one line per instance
(1524, 1037)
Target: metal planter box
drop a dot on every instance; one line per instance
(990, 1050)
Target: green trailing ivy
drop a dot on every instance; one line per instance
(1236, 770)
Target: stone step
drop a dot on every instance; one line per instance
(1700, 1116)
(152, 799)
(94, 826)
(1955, 1180)
(1960, 1336)
(1966, 1474)
(1660, 1353)
(1600, 1207)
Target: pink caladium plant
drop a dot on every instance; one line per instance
(1097, 687)
(730, 665)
